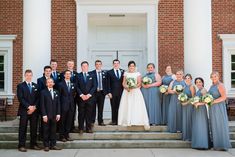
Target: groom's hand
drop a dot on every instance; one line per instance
(110, 96)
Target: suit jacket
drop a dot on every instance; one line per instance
(114, 84)
(56, 79)
(41, 83)
(88, 87)
(73, 78)
(66, 95)
(26, 98)
(49, 107)
(104, 80)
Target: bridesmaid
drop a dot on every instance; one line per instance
(175, 108)
(166, 80)
(187, 109)
(200, 126)
(218, 115)
(151, 95)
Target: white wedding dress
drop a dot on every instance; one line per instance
(132, 110)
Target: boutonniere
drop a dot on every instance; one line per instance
(103, 72)
(74, 74)
(103, 76)
(33, 86)
(72, 87)
(122, 70)
(90, 78)
(58, 74)
(55, 93)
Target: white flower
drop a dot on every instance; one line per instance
(208, 99)
(131, 82)
(195, 100)
(182, 97)
(163, 88)
(146, 80)
(179, 88)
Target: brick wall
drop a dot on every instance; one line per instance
(63, 32)
(11, 22)
(223, 22)
(170, 34)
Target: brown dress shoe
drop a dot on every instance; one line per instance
(69, 139)
(22, 149)
(55, 148)
(46, 149)
(63, 140)
(35, 147)
(101, 124)
(89, 131)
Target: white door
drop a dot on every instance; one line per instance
(112, 37)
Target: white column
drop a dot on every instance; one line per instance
(36, 35)
(198, 39)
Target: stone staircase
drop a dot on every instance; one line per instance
(112, 137)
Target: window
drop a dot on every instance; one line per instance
(232, 71)
(6, 67)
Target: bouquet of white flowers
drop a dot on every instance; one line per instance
(182, 97)
(195, 100)
(131, 82)
(179, 88)
(146, 80)
(163, 89)
(208, 99)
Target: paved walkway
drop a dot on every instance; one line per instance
(118, 153)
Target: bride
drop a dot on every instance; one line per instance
(132, 110)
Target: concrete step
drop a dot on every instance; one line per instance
(91, 144)
(108, 136)
(108, 128)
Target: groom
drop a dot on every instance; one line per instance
(115, 88)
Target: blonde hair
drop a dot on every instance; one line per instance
(180, 71)
(214, 73)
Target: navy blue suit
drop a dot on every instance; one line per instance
(85, 107)
(100, 95)
(49, 107)
(67, 107)
(26, 99)
(57, 79)
(115, 88)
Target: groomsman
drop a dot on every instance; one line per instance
(74, 75)
(102, 90)
(28, 96)
(86, 88)
(42, 80)
(67, 92)
(115, 78)
(50, 108)
(42, 85)
(55, 74)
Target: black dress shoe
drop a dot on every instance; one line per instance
(63, 139)
(46, 149)
(35, 147)
(69, 139)
(55, 148)
(101, 124)
(89, 131)
(113, 123)
(22, 149)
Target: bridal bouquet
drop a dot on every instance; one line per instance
(208, 99)
(146, 80)
(163, 89)
(182, 97)
(195, 100)
(179, 88)
(131, 82)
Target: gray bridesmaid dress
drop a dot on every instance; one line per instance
(219, 122)
(200, 127)
(187, 117)
(165, 98)
(152, 102)
(175, 111)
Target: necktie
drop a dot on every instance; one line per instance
(52, 94)
(117, 73)
(99, 81)
(30, 88)
(68, 84)
(54, 75)
(85, 77)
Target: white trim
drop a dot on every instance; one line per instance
(228, 49)
(6, 44)
(152, 24)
